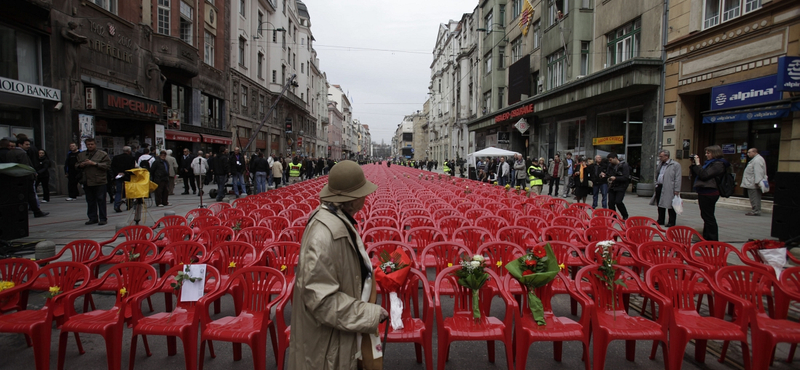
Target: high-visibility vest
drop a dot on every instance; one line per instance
(535, 181)
(445, 168)
(294, 169)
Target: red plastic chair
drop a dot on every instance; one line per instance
(274, 207)
(259, 236)
(247, 207)
(751, 257)
(768, 327)
(498, 254)
(472, 237)
(198, 212)
(542, 213)
(411, 222)
(683, 235)
(36, 325)
(678, 283)
(229, 257)
(465, 206)
(237, 203)
(605, 212)
(302, 206)
(136, 278)
(558, 329)
(611, 321)
(576, 212)
(568, 221)
(790, 280)
(475, 213)
(420, 237)
(572, 258)
(199, 223)
(510, 214)
(607, 222)
(280, 332)
(601, 233)
(239, 222)
(636, 235)
(380, 221)
(660, 253)
(382, 234)
(252, 322)
(260, 214)
(275, 223)
(126, 251)
(213, 235)
(182, 321)
(137, 232)
(171, 234)
(282, 256)
(417, 329)
(292, 214)
(439, 256)
(376, 248)
(173, 220)
(535, 224)
(642, 221)
(301, 221)
(218, 207)
(564, 234)
(412, 212)
(516, 234)
(491, 223)
(384, 212)
(450, 224)
(445, 212)
(292, 234)
(462, 327)
(84, 251)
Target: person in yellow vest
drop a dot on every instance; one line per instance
(536, 177)
(294, 171)
(446, 167)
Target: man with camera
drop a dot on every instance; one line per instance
(619, 176)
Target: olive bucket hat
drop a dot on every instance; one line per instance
(346, 182)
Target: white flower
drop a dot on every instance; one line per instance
(477, 258)
(475, 264)
(606, 244)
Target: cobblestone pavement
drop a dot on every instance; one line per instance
(66, 223)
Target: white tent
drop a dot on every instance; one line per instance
(488, 152)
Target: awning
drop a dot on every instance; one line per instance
(216, 139)
(182, 136)
(752, 114)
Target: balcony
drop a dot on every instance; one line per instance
(324, 121)
(173, 54)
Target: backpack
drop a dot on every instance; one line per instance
(145, 164)
(726, 184)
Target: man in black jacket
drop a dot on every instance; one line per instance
(185, 169)
(71, 172)
(236, 167)
(19, 155)
(219, 167)
(119, 164)
(597, 173)
(619, 174)
(159, 174)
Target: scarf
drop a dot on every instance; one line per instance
(583, 165)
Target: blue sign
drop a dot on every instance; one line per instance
(728, 148)
(779, 111)
(789, 73)
(756, 91)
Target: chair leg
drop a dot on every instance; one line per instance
(599, 349)
(189, 351)
(202, 356)
(557, 350)
(630, 350)
(114, 350)
(428, 341)
(146, 346)
(78, 342)
(41, 346)
(724, 351)
(490, 349)
(172, 347)
(442, 357)
(132, 355)
(62, 349)
(677, 346)
(791, 353)
(237, 351)
(274, 341)
(418, 351)
(211, 349)
(509, 353)
(700, 350)
(28, 340)
(746, 355)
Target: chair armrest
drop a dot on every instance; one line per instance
(45, 261)
(746, 308)
(664, 305)
(16, 289)
(109, 241)
(69, 306)
(205, 303)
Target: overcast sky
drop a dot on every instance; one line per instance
(380, 52)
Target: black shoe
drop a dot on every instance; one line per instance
(185, 193)
(40, 214)
(90, 222)
(117, 209)
(669, 225)
(101, 223)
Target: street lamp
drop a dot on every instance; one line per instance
(258, 31)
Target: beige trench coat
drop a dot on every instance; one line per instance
(327, 310)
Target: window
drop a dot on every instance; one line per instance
(487, 23)
(516, 8)
(487, 63)
(726, 10)
(209, 111)
(163, 17)
(586, 4)
(501, 63)
(750, 5)
(261, 66)
(244, 95)
(487, 101)
(241, 51)
(242, 7)
(501, 93)
(186, 23)
(555, 69)
(274, 36)
(19, 56)
(623, 43)
(274, 76)
(109, 5)
(584, 58)
(261, 105)
(536, 35)
(554, 7)
(283, 74)
(208, 50)
(516, 49)
(294, 60)
(260, 21)
(302, 68)
(502, 14)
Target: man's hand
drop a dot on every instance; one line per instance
(384, 315)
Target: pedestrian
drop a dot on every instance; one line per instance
(5, 146)
(120, 164)
(270, 175)
(260, 168)
(520, 172)
(174, 171)
(43, 165)
(309, 169)
(619, 176)
(556, 170)
(185, 171)
(19, 154)
(599, 183)
(536, 176)
(580, 178)
(236, 166)
(754, 175)
(71, 172)
(94, 163)
(705, 184)
(219, 167)
(503, 171)
(159, 174)
(295, 168)
(145, 160)
(567, 179)
(334, 288)
(668, 186)
(200, 169)
(277, 171)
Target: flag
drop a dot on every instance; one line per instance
(526, 17)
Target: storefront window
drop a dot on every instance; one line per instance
(571, 137)
(544, 141)
(608, 125)
(736, 137)
(621, 132)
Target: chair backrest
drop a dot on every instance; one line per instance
(660, 252)
(408, 294)
(258, 286)
(683, 235)
(712, 255)
(129, 278)
(491, 223)
(228, 257)
(175, 233)
(198, 212)
(607, 222)
(600, 233)
(247, 207)
(380, 221)
(411, 222)
(382, 234)
(186, 252)
(499, 254)
(229, 213)
(751, 257)
(67, 276)
(202, 222)
(218, 207)
(135, 232)
(172, 220)
(411, 212)
(274, 207)
(302, 206)
(576, 212)
(260, 213)
(439, 214)
(282, 256)
(239, 222)
(678, 282)
(535, 224)
(84, 250)
(375, 249)
(275, 223)
(450, 224)
(465, 206)
(462, 297)
(472, 237)
(258, 236)
(568, 221)
(564, 234)
(237, 203)
(510, 214)
(442, 255)
(517, 235)
(542, 213)
(753, 284)
(17, 270)
(601, 293)
(292, 234)
(566, 252)
(605, 212)
(212, 284)
(213, 235)
(419, 237)
(641, 221)
(292, 213)
(134, 251)
(619, 251)
(474, 213)
(790, 279)
(641, 234)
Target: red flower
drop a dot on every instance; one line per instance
(388, 270)
(527, 272)
(530, 262)
(539, 251)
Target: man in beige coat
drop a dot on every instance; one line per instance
(668, 186)
(334, 282)
(173, 171)
(754, 174)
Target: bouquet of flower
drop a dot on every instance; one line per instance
(6, 285)
(534, 270)
(472, 276)
(772, 252)
(608, 272)
(391, 274)
(507, 187)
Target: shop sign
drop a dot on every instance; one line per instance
(789, 73)
(128, 104)
(91, 98)
(519, 112)
(503, 138)
(608, 140)
(669, 123)
(23, 88)
(728, 148)
(755, 91)
(522, 125)
(174, 119)
(299, 141)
